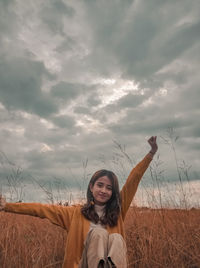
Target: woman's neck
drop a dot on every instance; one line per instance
(99, 207)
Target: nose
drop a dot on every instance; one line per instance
(104, 190)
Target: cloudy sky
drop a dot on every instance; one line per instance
(84, 83)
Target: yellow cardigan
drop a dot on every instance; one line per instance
(71, 218)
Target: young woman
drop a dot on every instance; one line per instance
(95, 230)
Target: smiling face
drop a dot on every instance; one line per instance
(101, 190)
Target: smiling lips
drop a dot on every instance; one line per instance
(102, 196)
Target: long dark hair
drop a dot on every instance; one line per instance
(113, 205)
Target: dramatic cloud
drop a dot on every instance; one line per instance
(21, 87)
(83, 84)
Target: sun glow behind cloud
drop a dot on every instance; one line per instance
(115, 89)
(111, 92)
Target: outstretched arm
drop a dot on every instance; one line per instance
(56, 214)
(130, 187)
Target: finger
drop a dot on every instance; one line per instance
(150, 139)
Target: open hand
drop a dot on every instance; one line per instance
(2, 202)
(153, 144)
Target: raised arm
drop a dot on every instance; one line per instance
(55, 214)
(130, 187)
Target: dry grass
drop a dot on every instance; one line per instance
(30, 242)
(163, 238)
(155, 238)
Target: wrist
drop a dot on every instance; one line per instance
(152, 152)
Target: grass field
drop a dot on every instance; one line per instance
(155, 238)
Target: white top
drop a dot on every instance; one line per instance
(100, 210)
